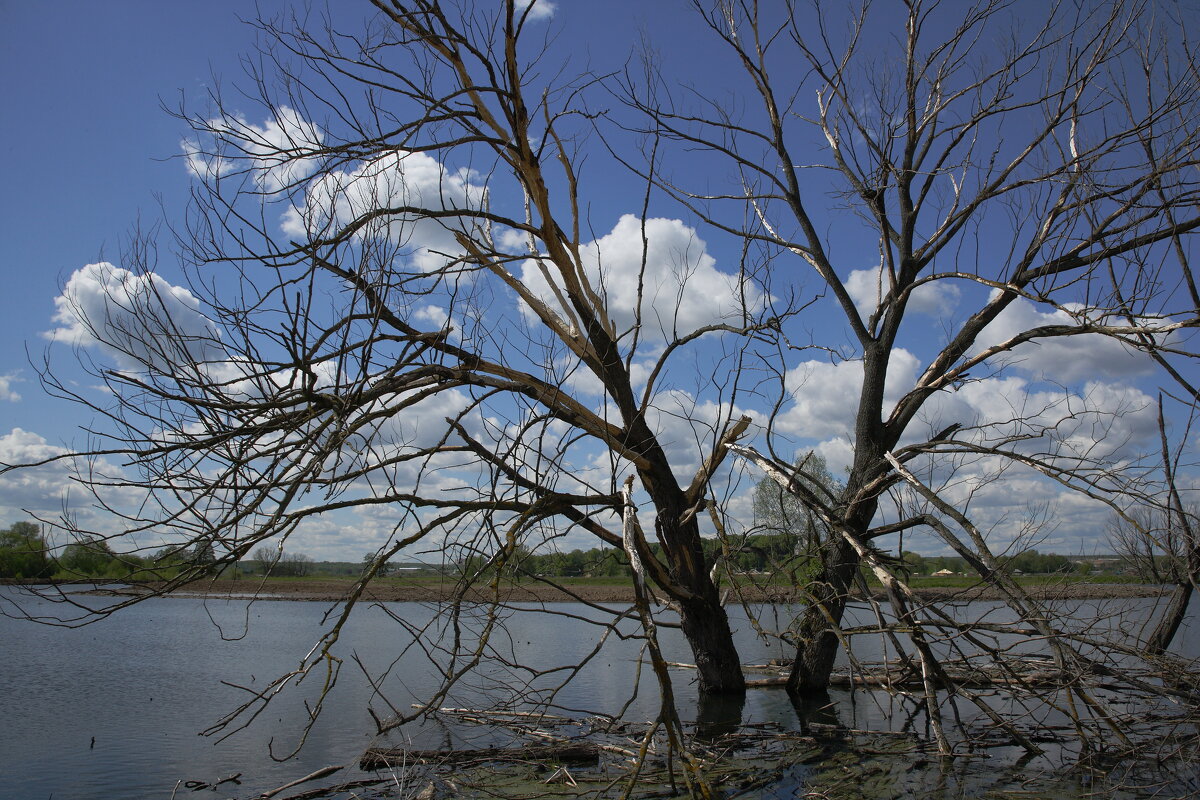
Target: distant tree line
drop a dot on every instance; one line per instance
(23, 552)
(761, 553)
(596, 562)
(1035, 562)
(280, 564)
(94, 558)
(756, 553)
(1026, 561)
(26, 554)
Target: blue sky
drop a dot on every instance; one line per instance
(94, 152)
(95, 155)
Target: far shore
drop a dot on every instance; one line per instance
(427, 590)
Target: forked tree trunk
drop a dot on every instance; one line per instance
(817, 645)
(702, 617)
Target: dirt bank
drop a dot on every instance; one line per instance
(425, 590)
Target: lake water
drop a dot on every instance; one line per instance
(115, 708)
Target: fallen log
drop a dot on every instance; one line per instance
(766, 683)
(321, 773)
(377, 758)
(966, 680)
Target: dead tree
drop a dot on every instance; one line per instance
(1034, 164)
(397, 306)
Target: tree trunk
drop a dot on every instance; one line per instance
(1168, 624)
(706, 627)
(702, 616)
(817, 645)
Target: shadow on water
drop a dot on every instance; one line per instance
(718, 715)
(815, 707)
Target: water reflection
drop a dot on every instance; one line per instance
(815, 707)
(719, 715)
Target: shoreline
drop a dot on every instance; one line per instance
(432, 591)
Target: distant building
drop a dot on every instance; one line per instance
(941, 573)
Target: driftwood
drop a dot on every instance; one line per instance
(908, 680)
(321, 773)
(574, 752)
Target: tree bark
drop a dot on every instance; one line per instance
(702, 616)
(706, 626)
(1168, 624)
(817, 645)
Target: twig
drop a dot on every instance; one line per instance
(321, 773)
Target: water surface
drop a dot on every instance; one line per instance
(116, 708)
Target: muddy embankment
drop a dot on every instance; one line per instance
(332, 590)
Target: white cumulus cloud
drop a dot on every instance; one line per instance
(42, 489)
(34, 489)
(867, 286)
(277, 154)
(538, 9)
(825, 395)
(1066, 359)
(395, 181)
(659, 272)
(7, 392)
(137, 319)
